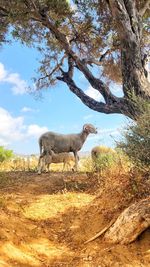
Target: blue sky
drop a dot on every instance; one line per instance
(24, 118)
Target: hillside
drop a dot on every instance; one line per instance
(45, 220)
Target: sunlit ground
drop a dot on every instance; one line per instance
(45, 220)
(32, 227)
(51, 206)
(35, 253)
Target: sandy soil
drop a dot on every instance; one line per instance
(45, 220)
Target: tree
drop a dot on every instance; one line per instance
(108, 35)
(136, 141)
(5, 154)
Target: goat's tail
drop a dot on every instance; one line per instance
(40, 145)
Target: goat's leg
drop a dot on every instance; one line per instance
(48, 167)
(48, 160)
(76, 161)
(41, 165)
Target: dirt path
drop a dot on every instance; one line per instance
(45, 220)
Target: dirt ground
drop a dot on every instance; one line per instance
(45, 220)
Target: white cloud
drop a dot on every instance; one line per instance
(19, 86)
(35, 131)
(87, 117)
(93, 93)
(14, 129)
(3, 142)
(102, 133)
(11, 129)
(3, 72)
(109, 131)
(28, 109)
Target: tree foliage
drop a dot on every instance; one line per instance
(5, 154)
(136, 143)
(108, 37)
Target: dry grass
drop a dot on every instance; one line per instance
(22, 165)
(49, 206)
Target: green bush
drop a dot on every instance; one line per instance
(105, 161)
(136, 141)
(5, 154)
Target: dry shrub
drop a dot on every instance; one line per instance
(113, 163)
(19, 164)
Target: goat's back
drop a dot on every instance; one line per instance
(60, 142)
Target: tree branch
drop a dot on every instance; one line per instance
(55, 69)
(112, 103)
(91, 61)
(90, 102)
(95, 83)
(71, 67)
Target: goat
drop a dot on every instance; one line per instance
(59, 143)
(48, 158)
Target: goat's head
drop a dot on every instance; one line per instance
(89, 128)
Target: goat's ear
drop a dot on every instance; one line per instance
(86, 127)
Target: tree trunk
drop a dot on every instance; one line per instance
(133, 74)
(134, 77)
(130, 224)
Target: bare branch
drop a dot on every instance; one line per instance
(58, 66)
(91, 60)
(71, 67)
(101, 232)
(104, 55)
(116, 107)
